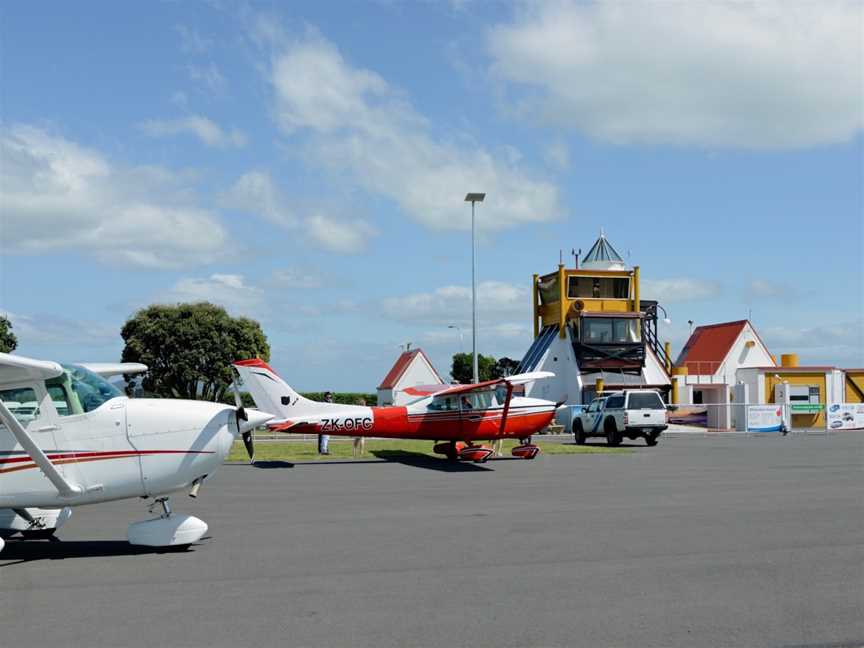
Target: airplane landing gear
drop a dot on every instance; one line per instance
(477, 454)
(449, 449)
(526, 449)
(167, 530)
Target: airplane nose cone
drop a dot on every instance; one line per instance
(254, 418)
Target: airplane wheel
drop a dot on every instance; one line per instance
(452, 453)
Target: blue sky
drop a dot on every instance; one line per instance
(305, 165)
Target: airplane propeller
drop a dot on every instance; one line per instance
(243, 415)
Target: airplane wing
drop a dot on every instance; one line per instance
(519, 379)
(108, 369)
(15, 368)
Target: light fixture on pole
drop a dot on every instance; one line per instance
(461, 339)
(666, 319)
(474, 198)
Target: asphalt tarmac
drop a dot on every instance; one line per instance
(702, 541)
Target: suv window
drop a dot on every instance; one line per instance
(645, 400)
(615, 402)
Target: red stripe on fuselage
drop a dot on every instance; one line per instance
(82, 457)
(396, 423)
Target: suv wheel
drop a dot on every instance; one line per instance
(651, 438)
(579, 433)
(613, 438)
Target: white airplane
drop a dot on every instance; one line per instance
(68, 438)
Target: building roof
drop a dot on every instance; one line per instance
(709, 345)
(401, 366)
(602, 256)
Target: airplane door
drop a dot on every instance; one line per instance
(25, 401)
(471, 416)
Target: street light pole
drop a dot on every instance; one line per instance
(474, 198)
(461, 339)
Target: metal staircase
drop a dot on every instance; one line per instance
(538, 348)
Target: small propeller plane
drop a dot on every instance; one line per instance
(454, 416)
(68, 437)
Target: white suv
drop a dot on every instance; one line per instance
(632, 413)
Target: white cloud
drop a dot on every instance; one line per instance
(765, 289)
(209, 77)
(57, 195)
(557, 155)
(452, 304)
(295, 277)
(193, 42)
(678, 289)
(228, 290)
(52, 330)
(256, 193)
(339, 235)
(360, 125)
(836, 343)
(757, 75)
(206, 130)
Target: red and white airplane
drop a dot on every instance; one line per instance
(455, 416)
(68, 438)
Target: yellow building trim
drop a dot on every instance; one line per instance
(816, 379)
(854, 387)
(637, 305)
(562, 299)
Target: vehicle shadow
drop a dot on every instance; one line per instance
(24, 551)
(603, 444)
(420, 460)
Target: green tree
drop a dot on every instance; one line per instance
(189, 348)
(8, 341)
(463, 372)
(505, 367)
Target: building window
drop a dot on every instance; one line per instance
(598, 287)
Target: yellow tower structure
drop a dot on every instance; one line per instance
(593, 330)
(600, 301)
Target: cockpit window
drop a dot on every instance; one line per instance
(79, 390)
(22, 403)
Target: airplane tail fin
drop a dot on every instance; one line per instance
(272, 394)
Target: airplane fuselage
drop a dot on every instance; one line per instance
(525, 416)
(124, 448)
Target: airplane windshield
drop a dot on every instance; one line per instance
(79, 390)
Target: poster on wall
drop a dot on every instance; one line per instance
(764, 418)
(845, 416)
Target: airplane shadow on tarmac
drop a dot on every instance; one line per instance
(420, 460)
(23, 551)
(416, 459)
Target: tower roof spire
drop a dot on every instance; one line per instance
(602, 256)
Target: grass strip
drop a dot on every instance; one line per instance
(386, 448)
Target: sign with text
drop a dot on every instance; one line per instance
(845, 416)
(764, 418)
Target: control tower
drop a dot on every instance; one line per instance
(592, 329)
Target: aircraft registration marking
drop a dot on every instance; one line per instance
(346, 424)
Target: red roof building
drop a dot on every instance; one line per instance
(411, 369)
(722, 349)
